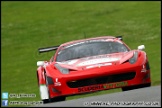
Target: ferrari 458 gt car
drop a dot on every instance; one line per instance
(90, 65)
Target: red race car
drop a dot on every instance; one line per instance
(90, 65)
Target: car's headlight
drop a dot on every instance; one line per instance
(134, 58)
(61, 69)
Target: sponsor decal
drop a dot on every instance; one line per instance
(95, 61)
(114, 85)
(143, 69)
(69, 62)
(90, 88)
(102, 86)
(57, 83)
(98, 65)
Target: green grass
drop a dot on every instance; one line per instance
(27, 26)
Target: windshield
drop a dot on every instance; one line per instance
(86, 49)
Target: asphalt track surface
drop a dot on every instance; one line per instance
(143, 97)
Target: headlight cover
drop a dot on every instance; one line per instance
(134, 58)
(61, 69)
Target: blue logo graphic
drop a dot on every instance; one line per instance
(4, 102)
(5, 95)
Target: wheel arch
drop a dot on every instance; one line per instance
(40, 76)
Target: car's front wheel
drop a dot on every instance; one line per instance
(45, 95)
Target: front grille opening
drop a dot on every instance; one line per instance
(101, 80)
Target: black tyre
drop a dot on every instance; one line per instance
(57, 99)
(136, 87)
(45, 101)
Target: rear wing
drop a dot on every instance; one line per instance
(120, 37)
(47, 49)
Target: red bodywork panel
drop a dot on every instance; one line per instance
(82, 71)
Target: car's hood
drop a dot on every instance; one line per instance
(96, 61)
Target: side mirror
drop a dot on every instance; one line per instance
(141, 47)
(40, 63)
